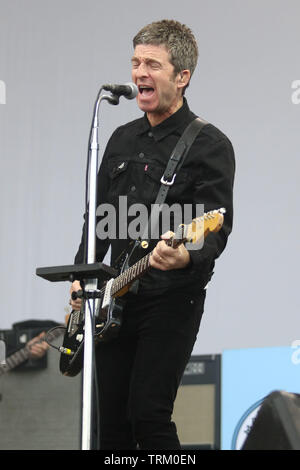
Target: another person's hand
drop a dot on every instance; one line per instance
(37, 348)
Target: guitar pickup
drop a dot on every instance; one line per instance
(107, 295)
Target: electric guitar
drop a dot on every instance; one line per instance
(23, 354)
(109, 311)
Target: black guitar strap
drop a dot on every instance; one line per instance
(174, 164)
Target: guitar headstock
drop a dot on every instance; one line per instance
(200, 227)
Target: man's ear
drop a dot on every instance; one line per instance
(184, 78)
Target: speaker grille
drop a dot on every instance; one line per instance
(194, 414)
(40, 409)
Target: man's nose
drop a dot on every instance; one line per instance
(141, 70)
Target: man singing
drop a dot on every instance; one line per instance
(139, 371)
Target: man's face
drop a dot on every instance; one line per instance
(160, 91)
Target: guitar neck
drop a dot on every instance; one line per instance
(131, 274)
(15, 360)
(197, 230)
(23, 354)
(138, 269)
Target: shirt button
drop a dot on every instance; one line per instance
(133, 188)
(141, 155)
(150, 134)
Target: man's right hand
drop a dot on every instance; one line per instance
(75, 304)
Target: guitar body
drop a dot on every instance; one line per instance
(70, 365)
(107, 326)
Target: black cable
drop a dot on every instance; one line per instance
(49, 332)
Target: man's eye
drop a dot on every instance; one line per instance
(154, 65)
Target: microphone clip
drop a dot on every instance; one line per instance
(128, 90)
(112, 99)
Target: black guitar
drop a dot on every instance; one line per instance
(109, 312)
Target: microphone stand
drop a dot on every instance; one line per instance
(90, 272)
(90, 285)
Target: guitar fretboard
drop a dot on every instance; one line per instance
(14, 360)
(132, 273)
(23, 354)
(212, 220)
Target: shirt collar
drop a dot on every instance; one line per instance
(169, 125)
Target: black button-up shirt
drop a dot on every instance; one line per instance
(133, 164)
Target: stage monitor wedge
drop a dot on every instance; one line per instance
(277, 423)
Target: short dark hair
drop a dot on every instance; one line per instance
(178, 39)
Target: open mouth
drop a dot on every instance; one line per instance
(145, 90)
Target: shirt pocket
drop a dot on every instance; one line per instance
(119, 170)
(117, 167)
(127, 179)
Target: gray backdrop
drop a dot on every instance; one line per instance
(54, 56)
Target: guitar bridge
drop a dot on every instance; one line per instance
(74, 322)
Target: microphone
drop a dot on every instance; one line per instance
(129, 90)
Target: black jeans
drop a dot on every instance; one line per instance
(139, 372)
